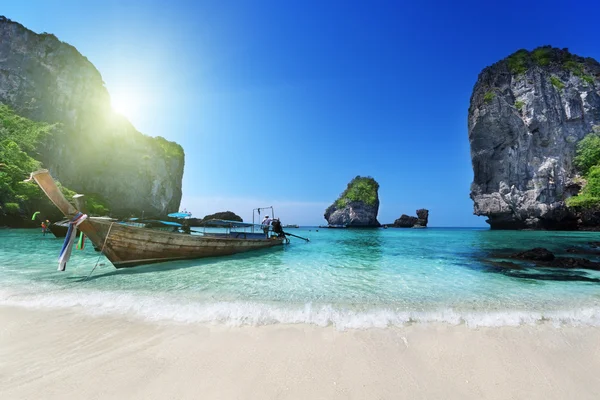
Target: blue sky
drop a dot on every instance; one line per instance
(282, 104)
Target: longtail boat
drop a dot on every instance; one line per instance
(128, 246)
(59, 229)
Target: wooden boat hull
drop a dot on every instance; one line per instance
(128, 246)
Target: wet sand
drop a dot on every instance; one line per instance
(66, 354)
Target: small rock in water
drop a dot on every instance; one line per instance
(537, 254)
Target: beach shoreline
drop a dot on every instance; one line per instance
(64, 353)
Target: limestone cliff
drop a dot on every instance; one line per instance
(526, 116)
(95, 151)
(357, 206)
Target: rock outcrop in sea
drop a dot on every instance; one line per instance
(227, 215)
(94, 150)
(406, 221)
(357, 206)
(526, 116)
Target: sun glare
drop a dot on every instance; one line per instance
(125, 103)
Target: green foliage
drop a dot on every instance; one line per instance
(363, 189)
(340, 203)
(573, 66)
(542, 56)
(590, 194)
(489, 96)
(11, 208)
(577, 69)
(583, 201)
(18, 139)
(557, 83)
(96, 205)
(16, 167)
(588, 153)
(517, 62)
(171, 149)
(588, 162)
(588, 79)
(519, 105)
(21, 130)
(592, 188)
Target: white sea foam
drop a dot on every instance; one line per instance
(165, 309)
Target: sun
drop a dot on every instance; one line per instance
(125, 102)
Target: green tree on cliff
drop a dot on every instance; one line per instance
(363, 189)
(587, 162)
(18, 139)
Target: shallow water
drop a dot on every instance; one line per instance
(348, 278)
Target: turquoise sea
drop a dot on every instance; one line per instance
(345, 278)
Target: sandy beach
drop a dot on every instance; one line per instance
(65, 354)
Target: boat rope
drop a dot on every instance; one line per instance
(101, 251)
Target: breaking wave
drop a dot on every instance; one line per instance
(237, 313)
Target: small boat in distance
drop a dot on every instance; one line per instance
(291, 226)
(128, 246)
(333, 226)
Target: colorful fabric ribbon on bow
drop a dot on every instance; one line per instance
(65, 252)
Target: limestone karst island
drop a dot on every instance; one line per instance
(534, 129)
(299, 200)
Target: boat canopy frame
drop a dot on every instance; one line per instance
(257, 211)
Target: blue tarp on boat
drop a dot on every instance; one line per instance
(165, 222)
(180, 215)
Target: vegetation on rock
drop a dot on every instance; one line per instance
(517, 62)
(520, 61)
(552, 86)
(94, 150)
(519, 105)
(171, 149)
(18, 137)
(96, 205)
(541, 56)
(588, 79)
(573, 66)
(363, 189)
(556, 82)
(18, 140)
(588, 153)
(489, 96)
(587, 162)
